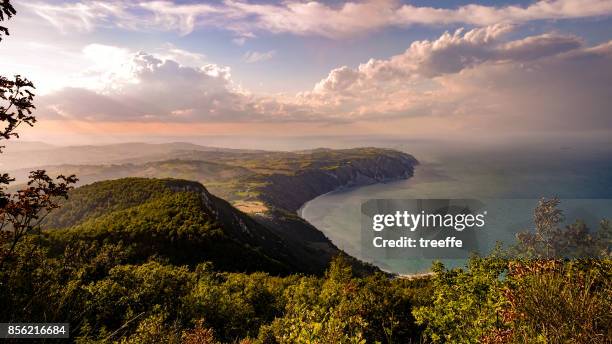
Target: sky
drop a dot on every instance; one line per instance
(118, 70)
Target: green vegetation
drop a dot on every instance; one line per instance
(106, 299)
(180, 222)
(101, 198)
(521, 301)
(147, 261)
(234, 175)
(173, 220)
(533, 297)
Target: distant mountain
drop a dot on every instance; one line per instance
(203, 171)
(23, 155)
(16, 146)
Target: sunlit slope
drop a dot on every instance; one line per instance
(174, 220)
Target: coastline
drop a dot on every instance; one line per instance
(349, 188)
(422, 172)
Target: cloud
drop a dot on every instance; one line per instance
(242, 38)
(144, 87)
(450, 53)
(477, 79)
(256, 56)
(488, 15)
(130, 86)
(297, 17)
(85, 16)
(239, 41)
(474, 80)
(170, 52)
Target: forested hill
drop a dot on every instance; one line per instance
(175, 220)
(183, 222)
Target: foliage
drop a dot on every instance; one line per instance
(22, 212)
(6, 12)
(498, 299)
(17, 105)
(199, 335)
(553, 301)
(466, 302)
(345, 309)
(97, 199)
(550, 241)
(105, 299)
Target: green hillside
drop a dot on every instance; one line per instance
(103, 198)
(178, 221)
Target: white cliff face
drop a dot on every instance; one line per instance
(290, 192)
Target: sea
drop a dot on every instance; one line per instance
(580, 177)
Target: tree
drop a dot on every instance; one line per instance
(550, 240)
(6, 11)
(22, 212)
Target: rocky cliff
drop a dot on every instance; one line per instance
(290, 192)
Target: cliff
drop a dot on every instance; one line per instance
(290, 192)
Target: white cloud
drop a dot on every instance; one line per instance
(475, 79)
(182, 18)
(297, 17)
(122, 85)
(256, 56)
(111, 69)
(488, 15)
(450, 53)
(80, 16)
(125, 85)
(242, 38)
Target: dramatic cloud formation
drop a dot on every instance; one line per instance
(451, 53)
(297, 17)
(143, 87)
(474, 79)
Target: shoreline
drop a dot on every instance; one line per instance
(300, 212)
(424, 172)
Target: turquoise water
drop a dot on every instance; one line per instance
(576, 178)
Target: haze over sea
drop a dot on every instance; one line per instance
(582, 178)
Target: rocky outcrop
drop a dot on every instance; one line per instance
(290, 192)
